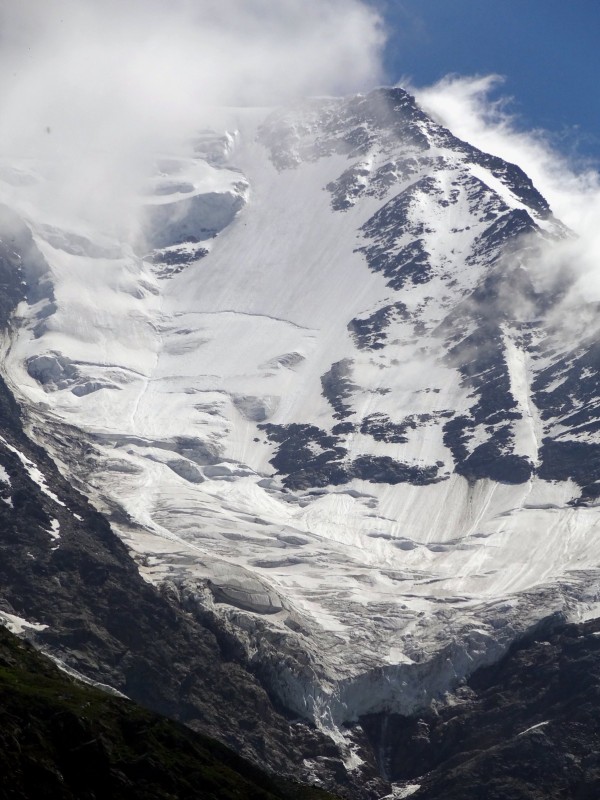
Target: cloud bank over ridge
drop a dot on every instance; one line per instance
(94, 89)
(464, 105)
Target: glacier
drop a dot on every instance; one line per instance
(324, 390)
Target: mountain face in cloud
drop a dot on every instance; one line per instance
(96, 89)
(327, 369)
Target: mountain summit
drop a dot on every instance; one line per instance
(328, 393)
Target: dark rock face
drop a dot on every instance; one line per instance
(577, 460)
(358, 181)
(22, 266)
(338, 387)
(503, 231)
(382, 429)
(475, 333)
(510, 174)
(369, 333)
(410, 262)
(383, 469)
(309, 457)
(526, 728)
(171, 261)
(567, 391)
(62, 739)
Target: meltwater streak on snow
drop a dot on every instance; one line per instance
(168, 366)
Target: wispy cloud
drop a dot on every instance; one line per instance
(95, 86)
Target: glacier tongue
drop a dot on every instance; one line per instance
(319, 392)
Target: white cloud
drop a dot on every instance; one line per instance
(463, 104)
(96, 86)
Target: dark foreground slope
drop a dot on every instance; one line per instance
(527, 728)
(62, 739)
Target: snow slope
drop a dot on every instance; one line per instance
(319, 393)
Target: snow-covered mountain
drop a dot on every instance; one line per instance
(327, 392)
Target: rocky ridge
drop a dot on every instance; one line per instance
(64, 739)
(523, 729)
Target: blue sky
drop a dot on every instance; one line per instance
(547, 50)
